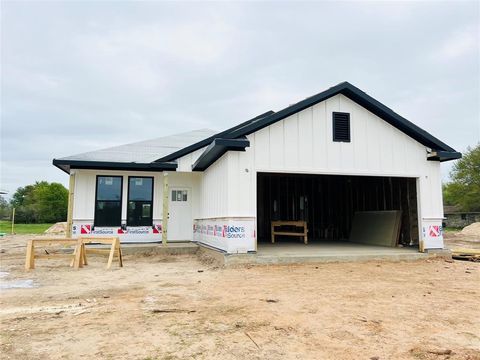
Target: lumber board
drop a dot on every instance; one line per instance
(466, 251)
(289, 233)
(299, 223)
(53, 256)
(55, 241)
(97, 251)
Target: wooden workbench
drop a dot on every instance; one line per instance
(299, 224)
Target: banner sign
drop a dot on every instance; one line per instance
(432, 233)
(128, 234)
(228, 234)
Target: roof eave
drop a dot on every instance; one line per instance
(67, 165)
(442, 156)
(216, 149)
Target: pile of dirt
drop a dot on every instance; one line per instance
(472, 229)
(58, 228)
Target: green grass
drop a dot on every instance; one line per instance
(451, 229)
(6, 227)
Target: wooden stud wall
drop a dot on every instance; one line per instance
(331, 201)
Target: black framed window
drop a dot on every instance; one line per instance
(140, 201)
(341, 127)
(108, 201)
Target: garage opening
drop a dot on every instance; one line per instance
(327, 205)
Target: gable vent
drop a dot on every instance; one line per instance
(341, 127)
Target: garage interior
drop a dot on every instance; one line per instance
(328, 204)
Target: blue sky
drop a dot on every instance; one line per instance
(78, 76)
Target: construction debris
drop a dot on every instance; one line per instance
(466, 254)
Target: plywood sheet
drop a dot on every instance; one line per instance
(376, 227)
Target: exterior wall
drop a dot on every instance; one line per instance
(219, 223)
(302, 143)
(224, 195)
(84, 204)
(185, 162)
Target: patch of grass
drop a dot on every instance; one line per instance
(6, 227)
(451, 229)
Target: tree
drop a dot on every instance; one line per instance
(50, 202)
(464, 188)
(4, 208)
(41, 202)
(22, 201)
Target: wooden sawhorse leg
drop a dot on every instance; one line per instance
(30, 257)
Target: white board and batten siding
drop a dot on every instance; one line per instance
(222, 223)
(84, 204)
(303, 143)
(224, 195)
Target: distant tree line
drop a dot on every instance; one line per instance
(464, 188)
(41, 202)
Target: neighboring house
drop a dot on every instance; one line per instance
(455, 218)
(319, 160)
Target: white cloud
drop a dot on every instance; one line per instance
(460, 43)
(145, 56)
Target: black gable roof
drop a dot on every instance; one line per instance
(440, 150)
(360, 98)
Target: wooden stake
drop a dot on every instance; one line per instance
(30, 260)
(13, 219)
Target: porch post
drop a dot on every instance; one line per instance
(71, 190)
(165, 214)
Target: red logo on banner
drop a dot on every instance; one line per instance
(121, 231)
(85, 229)
(157, 229)
(434, 230)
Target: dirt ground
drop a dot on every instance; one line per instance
(455, 239)
(180, 307)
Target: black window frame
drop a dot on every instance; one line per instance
(334, 120)
(96, 217)
(150, 222)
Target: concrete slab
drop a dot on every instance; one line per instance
(320, 252)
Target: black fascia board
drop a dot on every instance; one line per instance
(362, 99)
(67, 165)
(224, 134)
(444, 156)
(216, 149)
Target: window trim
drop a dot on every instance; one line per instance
(96, 201)
(128, 198)
(174, 199)
(349, 127)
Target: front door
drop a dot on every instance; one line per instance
(180, 219)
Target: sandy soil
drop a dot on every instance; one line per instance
(181, 308)
(457, 239)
